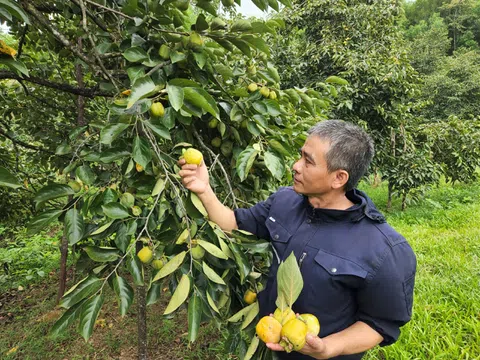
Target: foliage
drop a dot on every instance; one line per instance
(456, 146)
(429, 44)
(127, 193)
(26, 259)
(361, 42)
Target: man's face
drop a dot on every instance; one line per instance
(311, 175)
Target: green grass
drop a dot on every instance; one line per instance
(443, 229)
(24, 259)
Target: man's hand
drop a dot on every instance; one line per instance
(194, 178)
(314, 347)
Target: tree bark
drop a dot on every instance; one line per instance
(62, 277)
(404, 201)
(389, 201)
(141, 316)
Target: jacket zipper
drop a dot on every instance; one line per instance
(300, 262)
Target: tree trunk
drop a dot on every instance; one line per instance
(404, 201)
(141, 316)
(389, 201)
(62, 278)
(376, 179)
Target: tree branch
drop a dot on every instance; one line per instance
(58, 35)
(87, 92)
(97, 21)
(24, 144)
(22, 41)
(95, 53)
(110, 9)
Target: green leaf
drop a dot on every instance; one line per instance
(74, 226)
(171, 266)
(86, 174)
(212, 249)
(211, 274)
(141, 88)
(194, 316)
(243, 312)
(52, 191)
(80, 291)
(201, 23)
(261, 4)
(276, 145)
(159, 187)
(16, 66)
(224, 71)
(141, 151)
(272, 107)
(154, 293)
(63, 149)
(242, 45)
(245, 161)
(42, 220)
(252, 348)
(202, 99)
(198, 203)
(275, 165)
(289, 280)
(111, 132)
(115, 210)
(135, 268)
(7, 179)
(15, 10)
(257, 42)
(102, 228)
(212, 303)
(113, 155)
(159, 130)
(241, 25)
(243, 265)
(135, 54)
(175, 96)
(122, 239)
(124, 294)
(273, 73)
(102, 254)
(250, 315)
(89, 314)
(179, 296)
(66, 320)
(168, 120)
(336, 80)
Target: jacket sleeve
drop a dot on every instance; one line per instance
(385, 302)
(253, 219)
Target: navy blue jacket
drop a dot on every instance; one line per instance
(355, 267)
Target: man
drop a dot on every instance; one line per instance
(358, 272)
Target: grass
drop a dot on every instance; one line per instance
(443, 229)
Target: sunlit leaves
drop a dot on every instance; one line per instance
(179, 296)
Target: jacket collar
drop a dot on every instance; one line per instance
(363, 207)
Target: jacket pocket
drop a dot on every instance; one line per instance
(338, 266)
(277, 232)
(279, 237)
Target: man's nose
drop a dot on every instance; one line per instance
(296, 166)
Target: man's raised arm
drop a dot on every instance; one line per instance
(195, 178)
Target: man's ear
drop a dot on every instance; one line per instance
(340, 180)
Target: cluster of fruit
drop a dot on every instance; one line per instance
(264, 91)
(146, 256)
(287, 329)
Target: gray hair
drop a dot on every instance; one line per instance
(351, 148)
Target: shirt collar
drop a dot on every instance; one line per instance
(363, 206)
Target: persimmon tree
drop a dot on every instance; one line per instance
(132, 84)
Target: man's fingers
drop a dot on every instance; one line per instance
(187, 172)
(187, 180)
(193, 167)
(275, 347)
(314, 341)
(181, 162)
